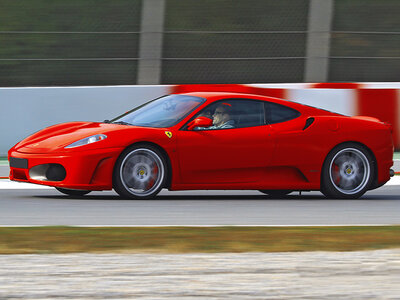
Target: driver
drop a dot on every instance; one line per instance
(222, 117)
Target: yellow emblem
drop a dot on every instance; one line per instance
(169, 134)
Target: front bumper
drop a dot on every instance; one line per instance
(85, 170)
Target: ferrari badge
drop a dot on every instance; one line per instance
(169, 134)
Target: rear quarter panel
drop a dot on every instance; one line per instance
(307, 149)
(377, 137)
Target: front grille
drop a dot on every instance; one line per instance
(19, 163)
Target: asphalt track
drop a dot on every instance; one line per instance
(43, 206)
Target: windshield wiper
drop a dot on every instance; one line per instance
(121, 123)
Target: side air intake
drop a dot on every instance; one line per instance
(308, 123)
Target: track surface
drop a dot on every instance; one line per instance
(49, 207)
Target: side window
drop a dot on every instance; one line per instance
(250, 113)
(276, 113)
(234, 113)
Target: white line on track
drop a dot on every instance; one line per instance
(6, 184)
(395, 180)
(224, 225)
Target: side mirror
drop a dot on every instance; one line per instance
(200, 122)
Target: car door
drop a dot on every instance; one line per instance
(227, 155)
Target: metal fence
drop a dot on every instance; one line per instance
(102, 42)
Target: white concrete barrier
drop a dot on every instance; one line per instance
(27, 110)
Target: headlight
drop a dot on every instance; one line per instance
(88, 140)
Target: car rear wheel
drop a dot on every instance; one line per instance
(72, 192)
(276, 193)
(348, 172)
(140, 173)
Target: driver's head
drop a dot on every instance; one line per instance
(222, 114)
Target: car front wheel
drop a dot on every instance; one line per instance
(140, 173)
(348, 172)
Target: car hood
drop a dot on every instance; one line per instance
(55, 138)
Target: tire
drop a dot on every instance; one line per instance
(140, 172)
(276, 193)
(72, 192)
(348, 172)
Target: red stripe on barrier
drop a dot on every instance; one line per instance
(381, 104)
(233, 88)
(4, 177)
(336, 85)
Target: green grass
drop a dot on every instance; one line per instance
(22, 240)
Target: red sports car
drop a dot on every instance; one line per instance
(213, 141)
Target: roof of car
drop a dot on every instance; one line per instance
(215, 96)
(219, 95)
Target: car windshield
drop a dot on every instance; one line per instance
(166, 111)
